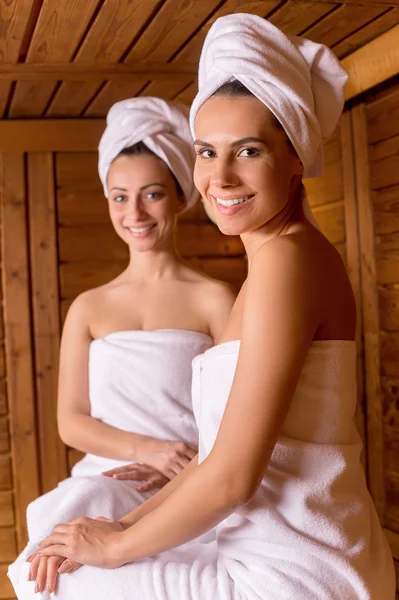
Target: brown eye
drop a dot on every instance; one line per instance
(249, 152)
(119, 199)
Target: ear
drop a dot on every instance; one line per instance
(182, 202)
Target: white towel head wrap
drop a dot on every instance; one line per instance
(162, 126)
(302, 83)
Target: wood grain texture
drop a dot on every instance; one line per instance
(46, 318)
(384, 163)
(6, 589)
(6, 509)
(50, 136)
(58, 31)
(295, 17)
(353, 262)
(386, 210)
(116, 25)
(370, 313)
(375, 62)
(82, 243)
(15, 17)
(17, 319)
(365, 34)
(383, 114)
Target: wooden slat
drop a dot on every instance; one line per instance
(78, 277)
(173, 24)
(386, 210)
(391, 447)
(114, 91)
(50, 136)
(383, 114)
(6, 589)
(46, 318)
(4, 437)
(387, 261)
(332, 223)
(18, 343)
(393, 540)
(369, 312)
(326, 188)
(390, 386)
(295, 17)
(15, 17)
(340, 23)
(384, 163)
(73, 457)
(190, 53)
(367, 33)
(56, 36)
(8, 547)
(78, 171)
(375, 62)
(353, 260)
(188, 94)
(88, 71)
(388, 301)
(89, 243)
(165, 89)
(391, 517)
(113, 30)
(389, 353)
(5, 472)
(3, 397)
(6, 509)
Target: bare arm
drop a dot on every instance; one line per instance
(75, 425)
(279, 321)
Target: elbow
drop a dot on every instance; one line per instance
(237, 489)
(65, 430)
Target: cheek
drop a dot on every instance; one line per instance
(201, 176)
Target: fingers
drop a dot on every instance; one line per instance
(41, 575)
(69, 566)
(53, 564)
(53, 538)
(34, 567)
(152, 483)
(56, 550)
(118, 470)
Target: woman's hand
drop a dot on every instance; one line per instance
(148, 477)
(87, 541)
(169, 458)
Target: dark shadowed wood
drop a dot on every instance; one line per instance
(367, 33)
(18, 343)
(384, 163)
(383, 115)
(370, 312)
(78, 171)
(386, 210)
(46, 318)
(388, 300)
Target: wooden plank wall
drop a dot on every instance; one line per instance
(381, 117)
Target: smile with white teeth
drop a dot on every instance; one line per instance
(232, 201)
(141, 229)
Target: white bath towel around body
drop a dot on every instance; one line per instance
(310, 532)
(139, 381)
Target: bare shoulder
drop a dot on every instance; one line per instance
(85, 307)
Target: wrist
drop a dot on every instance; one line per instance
(122, 550)
(137, 446)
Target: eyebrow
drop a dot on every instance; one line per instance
(141, 189)
(246, 140)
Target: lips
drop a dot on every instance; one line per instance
(231, 201)
(141, 231)
(229, 205)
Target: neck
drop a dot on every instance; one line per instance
(285, 222)
(156, 264)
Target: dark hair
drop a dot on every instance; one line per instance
(140, 149)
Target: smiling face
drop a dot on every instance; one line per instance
(246, 169)
(143, 201)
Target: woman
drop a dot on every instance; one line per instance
(278, 473)
(128, 345)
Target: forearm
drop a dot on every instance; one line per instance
(87, 434)
(152, 503)
(200, 502)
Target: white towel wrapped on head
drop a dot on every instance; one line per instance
(162, 126)
(301, 82)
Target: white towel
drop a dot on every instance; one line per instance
(162, 126)
(139, 381)
(301, 82)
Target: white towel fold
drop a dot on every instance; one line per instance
(162, 126)
(301, 82)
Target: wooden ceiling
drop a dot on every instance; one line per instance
(71, 58)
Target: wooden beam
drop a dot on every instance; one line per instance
(372, 64)
(353, 260)
(17, 325)
(52, 135)
(46, 317)
(363, 2)
(370, 313)
(78, 71)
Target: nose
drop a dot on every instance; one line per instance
(223, 174)
(135, 209)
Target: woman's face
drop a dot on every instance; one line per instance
(143, 201)
(245, 170)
